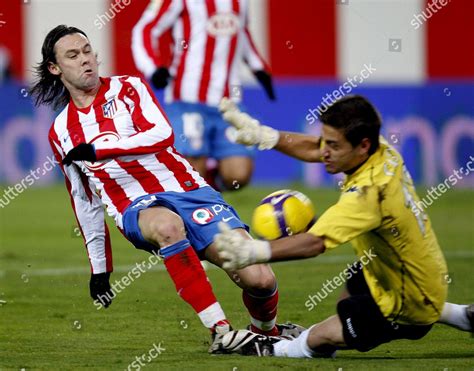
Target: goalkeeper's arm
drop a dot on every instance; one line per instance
(250, 132)
(301, 146)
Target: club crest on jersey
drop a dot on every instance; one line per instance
(202, 216)
(109, 108)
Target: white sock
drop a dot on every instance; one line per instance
(455, 315)
(211, 315)
(264, 326)
(297, 348)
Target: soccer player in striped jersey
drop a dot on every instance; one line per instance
(211, 39)
(115, 148)
(399, 288)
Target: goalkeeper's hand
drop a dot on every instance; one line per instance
(248, 130)
(99, 287)
(82, 152)
(237, 251)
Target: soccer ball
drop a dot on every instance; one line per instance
(282, 213)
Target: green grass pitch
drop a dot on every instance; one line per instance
(48, 321)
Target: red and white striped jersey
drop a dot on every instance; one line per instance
(211, 39)
(135, 156)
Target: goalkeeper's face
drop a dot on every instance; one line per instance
(76, 63)
(338, 153)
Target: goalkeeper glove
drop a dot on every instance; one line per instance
(160, 77)
(265, 79)
(237, 251)
(82, 152)
(248, 130)
(99, 287)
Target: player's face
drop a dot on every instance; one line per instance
(76, 63)
(338, 153)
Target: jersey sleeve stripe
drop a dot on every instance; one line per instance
(182, 63)
(233, 46)
(209, 55)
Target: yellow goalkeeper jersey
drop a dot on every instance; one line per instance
(378, 213)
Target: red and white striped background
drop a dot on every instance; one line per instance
(310, 38)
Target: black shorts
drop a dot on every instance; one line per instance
(364, 326)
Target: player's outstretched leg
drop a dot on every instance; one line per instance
(458, 316)
(320, 340)
(164, 228)
(260, 296)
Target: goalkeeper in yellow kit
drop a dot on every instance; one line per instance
(401, 292)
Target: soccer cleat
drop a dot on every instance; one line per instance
(286, 330)
(470, 315)
(289, 329)
(248, 343)
(217, 333)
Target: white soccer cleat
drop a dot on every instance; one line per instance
(218, 331)
(248, 343)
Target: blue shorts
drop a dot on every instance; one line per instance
(200, 209)
(200, 131)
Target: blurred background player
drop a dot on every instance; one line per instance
(5, 67)
(398, 288)
(115, 148)
(199, 64)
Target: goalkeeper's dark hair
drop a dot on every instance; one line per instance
(48, 88)
(357, 118)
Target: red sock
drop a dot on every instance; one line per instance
(263, 311)
(193, 286)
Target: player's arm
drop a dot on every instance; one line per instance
(250, 132)
(155, 132)
(90, 218)
(304, 147)
(156, 21)
(300, 246)
(256, 63)
(238, 251)
(355, 213)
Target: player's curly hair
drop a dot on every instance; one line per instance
(357, 118)
(48, 89)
